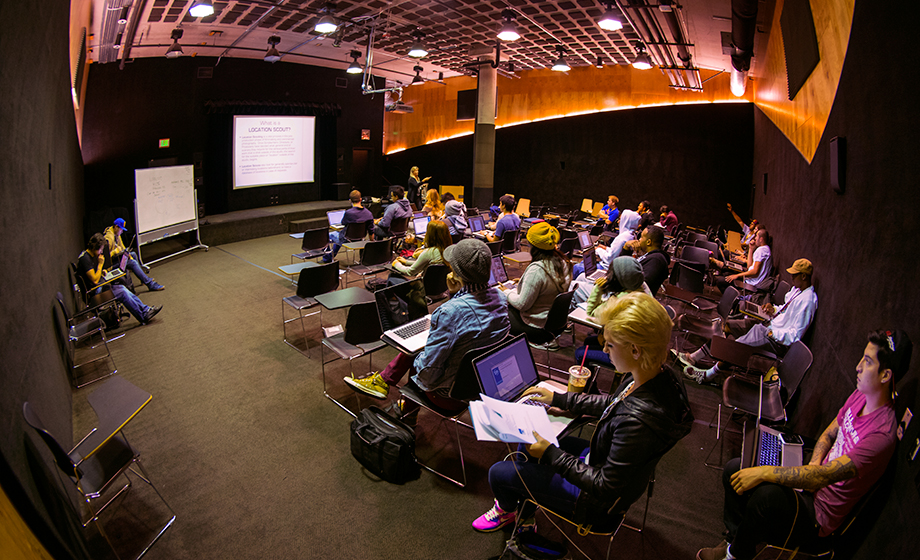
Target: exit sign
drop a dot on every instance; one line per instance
(164, 142)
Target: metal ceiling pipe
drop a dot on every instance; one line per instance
(744, 26)
(132, 30)
(645, 30)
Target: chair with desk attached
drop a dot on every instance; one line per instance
(312, 281)
(361, 337)
(313, 245)
(374, 256)
(78, 331)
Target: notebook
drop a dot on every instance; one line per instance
(420, 223)
(335, 218)
(498, 276)
(589, 258)
(405, 321)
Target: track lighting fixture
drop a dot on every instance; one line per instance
(326, 24)
(175, 50)
(561, 65)
(417, 79)
(354, 67)
(418, 49)
(272, 55)
(201, 8)
(642, 60)
(610, 21)
(509, 30)
(600, 62)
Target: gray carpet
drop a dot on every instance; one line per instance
(255, 460)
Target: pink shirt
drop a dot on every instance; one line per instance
(869, 442)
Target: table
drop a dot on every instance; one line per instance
(115, 404)
(296, 267)
(521, 257)
(345, 298)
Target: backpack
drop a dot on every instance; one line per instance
(384, 445)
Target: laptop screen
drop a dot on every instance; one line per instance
(401, 304)
(419, 214)
(584, 239)
(506, 371)
(335, 217)
(497, 275)
(421, 225)
(475, 223)
(588, 258)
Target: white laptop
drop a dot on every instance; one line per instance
(420, 223)
(335, 218)
(405, 323)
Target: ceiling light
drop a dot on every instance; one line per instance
(417, 79)
(737, 82)
(509, 30)
(354, 67)
(642, 61)
(175, 50)
(600, 62)
(272, 55)
(610, 21)
(201, 8)
(326, 25)
(561, 65)
(418, 49)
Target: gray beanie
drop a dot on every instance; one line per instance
(470, 260)
(454, 208)
(629, 272)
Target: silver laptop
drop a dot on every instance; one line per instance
(420, 223)
(589, 258)
(476, 225)
(404, 321)
(752, 309)
(505, 372)
(498, 276)
(335, 218)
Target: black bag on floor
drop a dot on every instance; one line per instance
(384, 445)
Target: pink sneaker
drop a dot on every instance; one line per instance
(493, 520)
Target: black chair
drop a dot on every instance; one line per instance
(708, 245)
(706, 329)
(399, 227)
(374, 256)
(510, 241)
(312, 281)
(435, 281)
(355, 234)
(556, 321)
(691, 254)
(104, 454)
(688, 277)
(456, 238)
(77, 330)
(693, 236)
(567, 246)
(565, 233)
(314, 244)
(779, 294)
(495, 247)
(361, 337)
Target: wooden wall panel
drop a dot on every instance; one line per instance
(803, 120)
(540, 95)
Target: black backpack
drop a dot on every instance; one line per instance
(384, 445)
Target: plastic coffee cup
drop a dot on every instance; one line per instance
(578, 378)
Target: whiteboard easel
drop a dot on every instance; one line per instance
(165, 205)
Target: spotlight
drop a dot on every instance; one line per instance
(600, 62)
(417, 79)
(326, 25)
(201, 8)
(272, 55)
(418, 49)
(642, 61)
(354, 67)
(175, 50)
(609, 21)
(509, 30)
(561, 65)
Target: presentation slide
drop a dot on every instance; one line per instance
(272, 150)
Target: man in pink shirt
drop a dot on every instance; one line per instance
(762, 504)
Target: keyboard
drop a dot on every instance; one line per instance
(411, 329)
(771, 449)
(531, 402)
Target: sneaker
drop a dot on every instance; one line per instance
(151, 313)
(154, 286)
(719, 552)
(699, 375)
(685, 359)
(372, 385)
(493, 520)
(550, 346)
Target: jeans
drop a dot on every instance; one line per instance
(594, 350)
(127, 298)
(337, 238)
(135, 266)
(513, 481)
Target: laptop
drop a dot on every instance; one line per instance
(419, 214)
(506, 371)
(476, 225)
(584, 239)
(589, 258)
(778, 449)
(119, 269)
(420, 223)
(753, 310)
(405, 321)
(335, 218)
(498, 276)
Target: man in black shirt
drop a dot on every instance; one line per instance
(90, 267)
(356, 214)
(654, 261)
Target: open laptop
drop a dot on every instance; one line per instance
(584, 239)
(335, 218)
(405, 321)
(420, 223)
(589, 258)
(118, 270)
(476, 225)
(753, 310)
(498, 276)
(419, 214)
(506, 371)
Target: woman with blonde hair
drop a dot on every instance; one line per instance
(594, 483)
(416, 186)
(433, 205)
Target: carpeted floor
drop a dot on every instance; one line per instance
(255, 461)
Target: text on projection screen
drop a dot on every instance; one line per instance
(272, 150)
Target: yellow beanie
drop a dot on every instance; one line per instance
(543, 236)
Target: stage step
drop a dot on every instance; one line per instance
(263, 222)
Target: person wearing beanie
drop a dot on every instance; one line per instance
(117, 248)
(786, 326)
(474, 316)
(455, 216)
(762, 504)
(548, 275)
(623, 276)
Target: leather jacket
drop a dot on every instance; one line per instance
(630, 437)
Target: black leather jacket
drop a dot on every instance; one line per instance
(629, 440)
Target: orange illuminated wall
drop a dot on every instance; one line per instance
(541, 95)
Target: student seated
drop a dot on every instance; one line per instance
(761, 503)
(547, 275)
(433, 206)
(90, 268)
(747, 231)
(609, 214)
(629, 220)
(474, 316)
(785, 327)
(398, 208)
(455, 216)
(759, 263)
(356, 214)
(507, 220)
(117, 248)
(431, 251)
(638, 423)
(668, 220)
(655, 262)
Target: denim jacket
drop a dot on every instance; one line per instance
(467, 321)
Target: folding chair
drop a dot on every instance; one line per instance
(435, 281)
(78, 329)
(361, 337)
(373, 258)
(556, 321)
(314, 244)
(312, 281)
(398, 228)
(355, 235)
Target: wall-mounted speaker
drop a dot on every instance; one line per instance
(838, 158)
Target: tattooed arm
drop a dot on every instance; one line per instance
(806, 477)
(825, 442)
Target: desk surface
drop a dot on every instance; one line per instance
(345, 298)
(581, 317)
(296, 267)
(520, 257)
(115, 404)
(726, 350)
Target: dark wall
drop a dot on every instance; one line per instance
(692, 158)
(861, 243)
(41, 183)
(128, 111)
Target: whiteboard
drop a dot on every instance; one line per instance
(164, 196)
